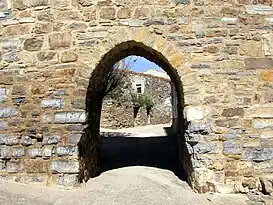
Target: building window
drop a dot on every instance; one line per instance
(138, 88)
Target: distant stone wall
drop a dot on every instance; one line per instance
(221, 52)
(119, 113)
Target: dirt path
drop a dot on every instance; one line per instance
(133, 185)
(143, 131)
(149, 147)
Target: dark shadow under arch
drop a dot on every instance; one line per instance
(90, 141)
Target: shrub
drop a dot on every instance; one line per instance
(142, 100)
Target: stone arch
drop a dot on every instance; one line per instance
(141, 43)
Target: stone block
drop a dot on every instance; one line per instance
(60, 40)
(53, 139)
(33, 44)
(14, 167)
(35, 3)
(2, 165)
(8, 139)
(182, 1)
(78, 104)
(124, 13)
(141, 13)
(74, 138)
(3, 95)
(195, 113)
(260, 112)
(3, 98)
(259, 9)
(31, 179)
(262, 123)
(232, 148)
(267, 76)
(231, 135)
(69, 56)
(46, 56)
(67, 151)
(259, 63)
(229, 20)
(5, 152)
(11, 57)
(225, 188)
(68, 180)
(206, 148)
(19, 90)
(89, 14)
(3, 125)
(131, 22)
(34, 152)
(231, 112)
(26, 141)
(27, 20)
(267, 45)
(53, 103)
(108, 13)
(47, 118)
(251, 49)
(86, 2)
(76, 127)
(19, 100)
(41, 28)
(18, 152)
(69, 117)
(251, 183)
(35, 166)
(267, 134)
(267, 184)
(58, 3)
(65, 166)
(257, 154)
(203, 128)
(154, 22)
(47, 151)
(6, 112)
(10, 44)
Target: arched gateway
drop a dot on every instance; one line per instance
(217, 54)
(94, 98)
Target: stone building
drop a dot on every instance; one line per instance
(219, 57)
(118, 108)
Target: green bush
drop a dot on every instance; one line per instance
(142, 100)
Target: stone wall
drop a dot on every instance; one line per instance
(221, 50)
(118, 111)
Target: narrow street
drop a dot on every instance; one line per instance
(152, 146)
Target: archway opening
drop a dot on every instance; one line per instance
(91, 142)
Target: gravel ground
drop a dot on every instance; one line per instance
(131, 185)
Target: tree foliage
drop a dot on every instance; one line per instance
(142, 100)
